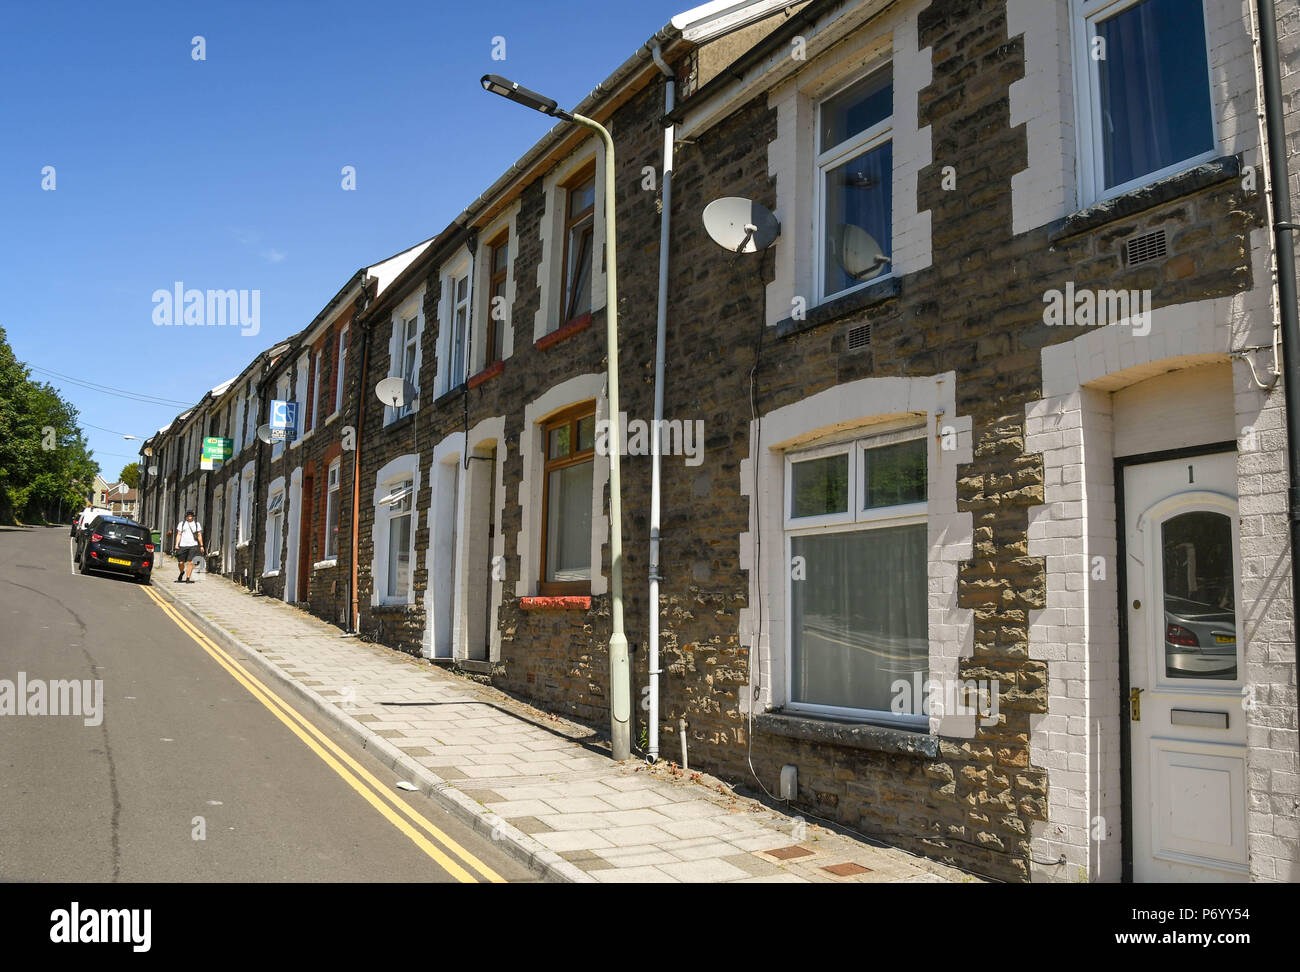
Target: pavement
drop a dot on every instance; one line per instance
(541, 786)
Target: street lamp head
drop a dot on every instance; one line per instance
(531, 99)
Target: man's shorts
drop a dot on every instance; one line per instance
(186, 554)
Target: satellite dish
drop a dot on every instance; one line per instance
(153, 470)
(264, 433)
(395, 391)
(740, 225)
(860, 254)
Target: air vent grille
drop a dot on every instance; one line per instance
(859, 337)
(1146, 247)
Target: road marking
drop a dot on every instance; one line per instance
(375, 793)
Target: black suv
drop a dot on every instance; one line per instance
(116, 543)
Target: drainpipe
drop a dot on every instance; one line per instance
(656, 457)
(354, 615)
(1284, 246)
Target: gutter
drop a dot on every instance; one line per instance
(1284, 247)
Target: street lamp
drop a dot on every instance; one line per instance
(620, 681)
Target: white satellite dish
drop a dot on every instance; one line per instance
(741, 225)
(395, 391)
(264, 433)
(153, 470)
(860, 254)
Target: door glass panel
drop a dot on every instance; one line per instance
(1200, 618)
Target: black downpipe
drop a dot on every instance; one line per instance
(1284, 245)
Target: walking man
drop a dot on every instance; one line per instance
(189, 538)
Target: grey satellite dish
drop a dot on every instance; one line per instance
(740, 225)
(395, 391)
(860, 254)
(153, 470)
(264, 433)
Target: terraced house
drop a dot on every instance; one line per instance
(969, 530)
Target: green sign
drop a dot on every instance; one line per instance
(217, 449)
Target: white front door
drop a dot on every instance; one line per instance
(1185, 667)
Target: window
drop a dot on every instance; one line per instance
(579, 238)
(332, 495)
(340, 370)
(274, 529)
(570, 441)
(314, 417)
(399, 503)
(300, 396)
(406, 361)
(1144, 71)
(856, 535)
(855, 174)
(246, 506)
(459, 296)
(499, 272)
(250, 416)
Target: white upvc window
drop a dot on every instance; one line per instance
(246, 505)
(250, 415)
(300, 396)
(453, 322)
(459, 329)
(1144, 98)
(405, 362)
(314, 418)
(332, 500)
(855, 178)
(855, 518)
(341, 370)
(274, 529)
(398, 505)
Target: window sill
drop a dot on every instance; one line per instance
(1153, 194)
(242, 546)
(560, 602)
(449, 395)
(393, 607)
(332, 416)
(488, 373)
(271, 573)
(322, 564)
(833, 310)
(851, 735)
(575, 326)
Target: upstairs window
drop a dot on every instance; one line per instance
(459, 294)
(579, 239)
(1145, 103)
(405, 362)
(855, 175)
(499, 270)
(340, 370)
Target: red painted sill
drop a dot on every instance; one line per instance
(575, 326)
(491, 371)
(571, 602)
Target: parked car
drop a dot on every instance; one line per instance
(85, 517)
(117, 544)
(1200, 639)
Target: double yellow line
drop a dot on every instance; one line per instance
(352, 772)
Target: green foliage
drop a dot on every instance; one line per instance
(44, 461)
(130, 474)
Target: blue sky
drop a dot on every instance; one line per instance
(225, 173)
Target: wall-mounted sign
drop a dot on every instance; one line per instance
(284, 420)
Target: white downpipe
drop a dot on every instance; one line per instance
(656, 448)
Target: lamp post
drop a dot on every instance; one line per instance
(620, 680)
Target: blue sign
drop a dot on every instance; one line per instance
(284, 420)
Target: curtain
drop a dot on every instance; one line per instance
(858, 618)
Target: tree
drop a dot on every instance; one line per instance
(44, 462)
(130, 474)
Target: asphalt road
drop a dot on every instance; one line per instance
(180, 740)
